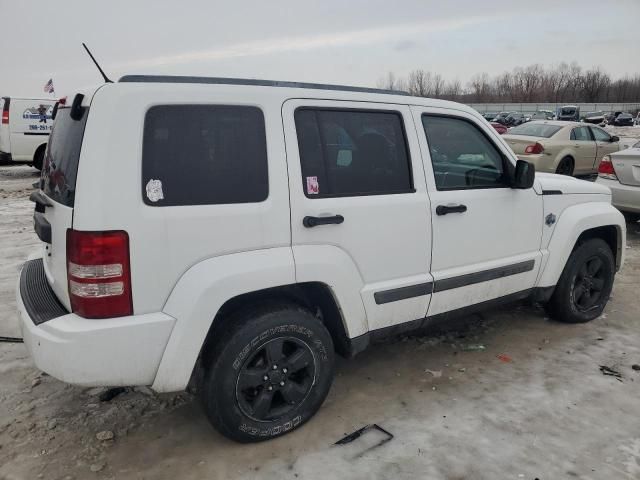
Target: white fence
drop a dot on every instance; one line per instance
(534, 107)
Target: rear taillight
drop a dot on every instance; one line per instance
(99, 273)
(5, 112)
(605, 169)
(534, 149)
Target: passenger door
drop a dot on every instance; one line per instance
(360, 213)
(604, 145)
(585, 148)
(486, 235)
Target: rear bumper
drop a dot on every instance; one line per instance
(120, 351)
(624, 197)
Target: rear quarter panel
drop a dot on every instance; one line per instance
(165, 242)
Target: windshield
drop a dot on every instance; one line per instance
(535, 130)
(60, 167)
(568, 111)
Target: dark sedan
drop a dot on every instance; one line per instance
(623, 120)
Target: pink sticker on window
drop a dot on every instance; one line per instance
(312, 186)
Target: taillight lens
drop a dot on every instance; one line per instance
(5, 113)
(534, 149)
(99, 273)
(605, 169)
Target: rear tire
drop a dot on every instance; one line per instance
(565, 167)
(631, 217)
(585, 285)
(268, 373)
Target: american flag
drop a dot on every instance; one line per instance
(48, 87)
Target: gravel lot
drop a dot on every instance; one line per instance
(532, 404)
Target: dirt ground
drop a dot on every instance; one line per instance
(532, 404)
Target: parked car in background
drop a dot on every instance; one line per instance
(542, 115)
(596, 118)
(501, 129)
(489, 116)
(24, 129)
(568, 113)
(611, 117)
(560, 147)
(502, 117)
(620, 171)
(624, 120)
(636, 121)
(514, 119)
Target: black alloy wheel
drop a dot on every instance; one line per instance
(276, 379)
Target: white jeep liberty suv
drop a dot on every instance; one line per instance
(237, 233)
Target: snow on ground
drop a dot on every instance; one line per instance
(548, 413)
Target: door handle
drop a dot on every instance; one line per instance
(445, 209)
(311, 222)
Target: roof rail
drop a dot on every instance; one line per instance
(254, 82)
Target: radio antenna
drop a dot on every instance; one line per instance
(106, 79)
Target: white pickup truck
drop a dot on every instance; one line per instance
(24, 129)
(236, 234)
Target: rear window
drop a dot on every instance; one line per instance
(535, 130)
(204, 155)
(61, 160)
(568, 111)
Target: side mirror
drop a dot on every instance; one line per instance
(524, 175)
(614, 138)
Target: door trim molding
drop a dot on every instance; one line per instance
(483, 276)
(402, 293)
(420, 289)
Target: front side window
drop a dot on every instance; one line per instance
(581, 134)
(204, 155)
(352, 152)
(461, 155)
(600, 135)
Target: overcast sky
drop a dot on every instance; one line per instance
(327, 41)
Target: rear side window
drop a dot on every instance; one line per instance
(204, 155)
(581, 134)
(352, 152)
(60, 166)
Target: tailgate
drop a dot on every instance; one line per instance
(53, 214)
(627, 166)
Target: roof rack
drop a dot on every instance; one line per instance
(254, 82)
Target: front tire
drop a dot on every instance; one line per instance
(268, 373)
(585, 285)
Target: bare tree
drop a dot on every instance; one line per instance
(594, 84)
(562, 83)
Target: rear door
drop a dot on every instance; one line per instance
(358, 195)
(54, 207)
(604, 144)
(585, 149)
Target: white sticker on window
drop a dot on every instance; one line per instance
(154, 190)
(313, 188)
